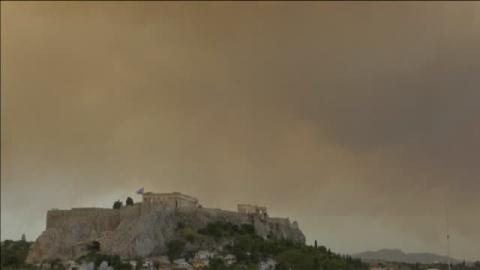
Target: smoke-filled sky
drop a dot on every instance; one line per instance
(359, 120)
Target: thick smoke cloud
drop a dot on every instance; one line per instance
(359, 120)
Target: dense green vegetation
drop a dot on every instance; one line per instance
(118, 204)
(14, 253)
(250, 249)
(129, 201)
(97, 258)
(227, 229)
(175, 249)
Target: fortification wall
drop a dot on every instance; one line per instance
(228, 215)
(119, 231)
(252, 209)
(107, 219)
(130, 211)
(101, 218)
(55, 217)
(104, 219)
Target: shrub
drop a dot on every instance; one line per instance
(175, 249)
(129, 201)
(117, 205)
(190, 238)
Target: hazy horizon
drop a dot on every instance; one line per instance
(359, 120)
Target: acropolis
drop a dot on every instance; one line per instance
(107, 218)
(142, 229)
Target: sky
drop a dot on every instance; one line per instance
(360, 120)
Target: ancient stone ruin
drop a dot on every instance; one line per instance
(144, 228)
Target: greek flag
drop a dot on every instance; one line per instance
(140, 191)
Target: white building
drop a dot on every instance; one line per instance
(204, 254)
(148, 264)
(133, 264)
(72, 265)
(182, 263)
(269, 264)
(230, 259)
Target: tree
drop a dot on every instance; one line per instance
(129, 201)
(316, 262)
(139, 264)
(94, 246)
(14, 253)
(117, 205)
(217, 264)
(190, 238)
(55, 263)
(175, 249)
(156, 264)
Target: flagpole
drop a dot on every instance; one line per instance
(448, 238)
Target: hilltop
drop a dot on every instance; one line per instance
(144, 229)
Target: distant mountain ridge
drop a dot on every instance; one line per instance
(396, 255)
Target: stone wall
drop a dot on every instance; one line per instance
(99, 216)
(252, 209)
(102, 219)
(130, 211)
(140, 230)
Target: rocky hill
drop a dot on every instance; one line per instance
(147, 235)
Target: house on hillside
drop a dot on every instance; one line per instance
(72, 265)
(199, 263)
(230, 259)
(181, 264)
(133, 264)
(204, 254)
(269, 264)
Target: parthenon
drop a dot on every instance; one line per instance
(174, 199)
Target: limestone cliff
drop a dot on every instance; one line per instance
(145, 234)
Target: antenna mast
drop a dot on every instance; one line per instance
(448, 239)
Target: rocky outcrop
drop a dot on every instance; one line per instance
(66, 241)
(147, 235)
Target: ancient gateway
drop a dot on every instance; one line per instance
(144, 228)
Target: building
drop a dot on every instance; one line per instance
(199, 263)
(252, 209)
(72, 265)
(230, 259)
(269, 264)
(182, 263)
(174, 199)
(149, 264)
(204, 254)
(163, 259)
(133, 264)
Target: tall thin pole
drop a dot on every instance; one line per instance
(448, 239)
